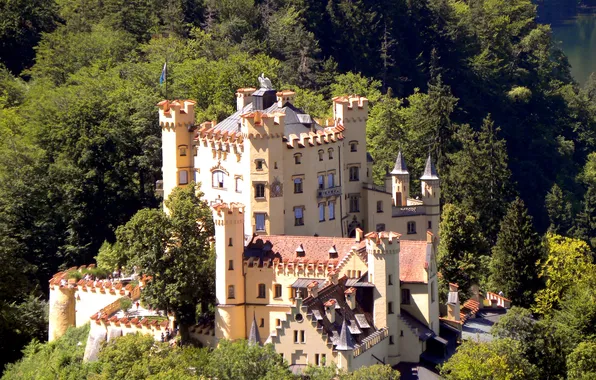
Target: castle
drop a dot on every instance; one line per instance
(291, 197)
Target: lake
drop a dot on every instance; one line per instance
(575, 30)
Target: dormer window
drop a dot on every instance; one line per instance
(300, 251)
(353, 146)
(298, 158)
(333, 253)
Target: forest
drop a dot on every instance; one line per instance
(479, 84)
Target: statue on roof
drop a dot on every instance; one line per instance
(265, 83)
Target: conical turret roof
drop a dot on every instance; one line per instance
(345, 342)
(430, 172)
(400, 165)
(254, 337)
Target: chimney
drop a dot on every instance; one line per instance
(333, 278)
(351, 297)
(244, 97)
(330, 310)
(359, 235)
(313, 289)
(285, 96)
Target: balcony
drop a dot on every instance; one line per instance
(408, 211)
(330, 192)
(372, 186)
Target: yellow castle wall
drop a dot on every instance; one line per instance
(62, 311)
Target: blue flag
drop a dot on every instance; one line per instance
(164, 72)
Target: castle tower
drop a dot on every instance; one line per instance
(263, 133)
(400, 189)
(383, 270)
(177, 120)
(431, 196)
(62, 310)
(230, 318)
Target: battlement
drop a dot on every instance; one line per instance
(224, 213)
(378, 242)
(310, 139)
(352, 101)
(285, 96)
(259, 124)
(178, 113)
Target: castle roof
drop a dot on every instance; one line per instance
(400, 165)
(351, 327)
(296, 121)
(283, 247)
(430, 172)
(413, 261)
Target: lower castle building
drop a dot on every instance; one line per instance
(351, 301)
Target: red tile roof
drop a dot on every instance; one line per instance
(412, 261)
(316, 249)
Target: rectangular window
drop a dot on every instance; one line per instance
(259, 190)
(260, 221)
(302, 337)
(411, 228)
(432, 292)
(390, 307)
(323, 359)
(354, 204)
(391, 339)
(317, 360)
(430, 225)
(321, 212)
(353, 146)
(331, 210)
(277, 291)
(218, 179)
(259, 164)
(278, 322)
(330, 180)
(231, 292)
(231, 265)
(296, 336)
(354, 173)
(298, 216)
(262, 291)
(321, 180)
(297, 185)
(390, 280)
(183, 177)
(379, 206)
(298, 159)
(405, 296)
(182, 150)
(238, 185)
(262, 324)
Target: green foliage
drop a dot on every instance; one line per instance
(61, 358)
(375, 372)
(125, 304)
(174, 250)
(567, 261)
(559, 211)
(500, 359)
(461, 248)
(581, 363)
(513, 265)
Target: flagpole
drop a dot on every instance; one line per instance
(166, 77)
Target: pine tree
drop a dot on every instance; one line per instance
(513, 268)
(585, 227)
(479, 178)
(461, 248)
(559, 211)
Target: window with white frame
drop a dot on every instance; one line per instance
(183, 177)
(218, 179)
(299, 216)
(297, 185)
(354, 173)
(321, 212)
(239, 184)
(331, 210)
(330, 180)
(321, 180)
(411, 228)
(259, 191)
(260, 221)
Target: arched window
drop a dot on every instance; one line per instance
(330, 151)
(298, 158)
(354, 146)
(321, 153)
(231, 291)
(218, 179)
(182, 149)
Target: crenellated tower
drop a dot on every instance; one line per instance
(431, 196)
(230, 318)
(400, 184)
(383, 249)
(177, 121)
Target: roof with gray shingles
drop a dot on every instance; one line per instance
(400, 165)
(430, 172)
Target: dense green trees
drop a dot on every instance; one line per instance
(513, 265)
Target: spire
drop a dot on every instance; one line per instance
(253, 337)
(400, 165)
(430, 172)
(345, 342)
